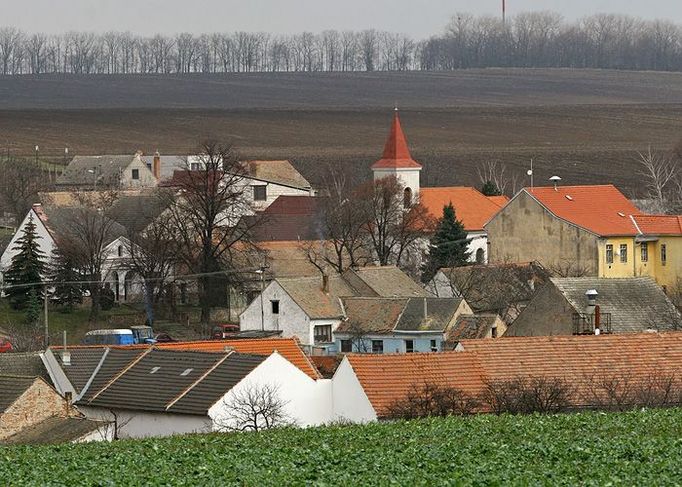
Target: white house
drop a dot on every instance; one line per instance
(310, 308)
(154, 392)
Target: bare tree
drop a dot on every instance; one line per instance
(495, 172)
(429, 400)
(205, 214)
(21, 182)
(660, 174)
(255, 407)
(524, 395)
(569, 268)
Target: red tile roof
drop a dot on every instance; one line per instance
(659, 224)
(388, 378)
(600, 209)
(471, 206)
(499, 200)
(396, 152)
(293, 205)
(578, 359)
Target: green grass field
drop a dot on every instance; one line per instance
(635, 448)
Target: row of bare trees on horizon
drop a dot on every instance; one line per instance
(532, 39)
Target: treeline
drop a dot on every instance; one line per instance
(536, 39)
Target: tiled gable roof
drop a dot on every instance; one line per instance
(602, 210)
(471, 206)
(107, 170)
(387, 378)
(53, 430)
(290, 218)
(308, 294)
(278, 172)
(659, 224)
(383, 281)
(371, 315)
(428, 314)
(25, 364)
(635, 303)
(470, 327)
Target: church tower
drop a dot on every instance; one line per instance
(397, 161)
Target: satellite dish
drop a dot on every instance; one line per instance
(555, 179)
(529, 172)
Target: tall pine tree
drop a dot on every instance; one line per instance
(449, 246)
(67, 294)
(25, 273)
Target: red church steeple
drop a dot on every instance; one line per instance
(396, 152)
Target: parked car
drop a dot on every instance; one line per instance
(224, 331)
(5, 345)
(143, 334)
(164, 338)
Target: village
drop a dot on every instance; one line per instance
(261, 301)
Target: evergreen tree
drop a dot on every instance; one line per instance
(25, 273)
(449, 246)
(491, 189)
(67, 294)
(34, 308)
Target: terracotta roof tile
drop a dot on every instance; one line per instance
(659, 224)
(471, 326)
(471, 206)
(388, 378)
(602, 210)
(396, 152)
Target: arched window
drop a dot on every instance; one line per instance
(480, 256)
(407, 198)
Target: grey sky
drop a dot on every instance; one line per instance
(419, 18)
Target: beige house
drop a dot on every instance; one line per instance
(107, 172)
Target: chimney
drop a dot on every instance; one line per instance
(156, 166)
(68, 398)
(66, 355)
(592, 297)
(597, 320)
(325, 282)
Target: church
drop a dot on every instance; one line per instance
(472, 207)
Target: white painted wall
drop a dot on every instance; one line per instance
(308, 402)
(349, 401)
(44, 239)
(146, 177)
(138, 424)
(480, 241)
(272, 192)
(409, 178)
(291, 318)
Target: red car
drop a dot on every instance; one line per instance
(224, 331)
(5, 345)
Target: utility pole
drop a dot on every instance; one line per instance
(46, 319)
(504, 11)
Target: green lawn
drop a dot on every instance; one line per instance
(636, 448)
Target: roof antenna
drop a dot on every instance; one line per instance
(555, 180)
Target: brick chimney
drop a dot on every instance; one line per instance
(156, 166)
(325, 282)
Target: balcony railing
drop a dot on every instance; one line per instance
(584, 324)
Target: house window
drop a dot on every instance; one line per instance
(623, 253)
(377, 346)
(407, 198)
(275, 307)
(120, 250)
(493, 332)
(480, 256)
(609, 253)
(664, 254)
(645, 251)
(260, 193)
(194, 166)
(346, 346)
(409, 346)
(136, 174)
(322, 334)
(434, 346)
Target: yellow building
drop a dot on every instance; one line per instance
(654, 249)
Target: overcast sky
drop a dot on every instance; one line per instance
(419, 18)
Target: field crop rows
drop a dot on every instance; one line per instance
(635, 448)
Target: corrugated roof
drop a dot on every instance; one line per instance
(600, 209)
(471, 206)
(635, 303)
(11, 388)
(53, 430)
(387, 378)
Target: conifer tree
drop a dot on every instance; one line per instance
(449, 246)
(67, 293)
(25, 274)
(491, 189)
